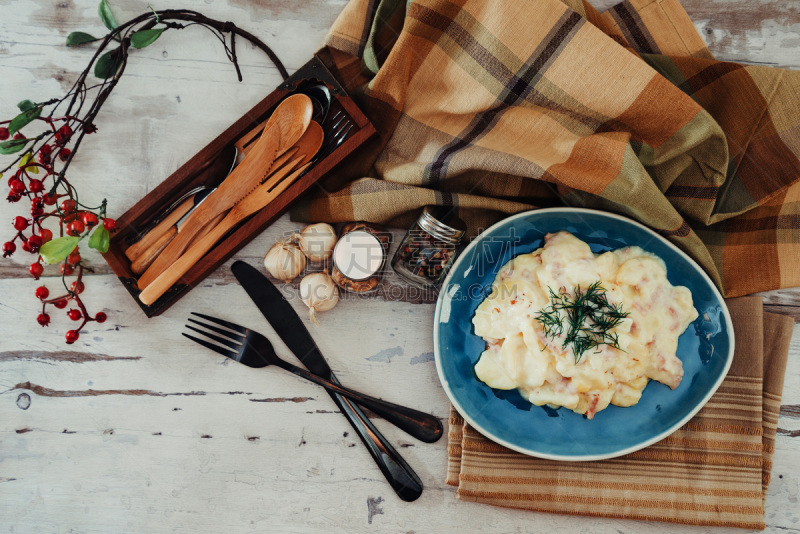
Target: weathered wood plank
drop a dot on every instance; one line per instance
(765, 32)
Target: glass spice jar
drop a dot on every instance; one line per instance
(359, 257)
(429, 247)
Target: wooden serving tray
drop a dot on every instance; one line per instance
(190, 175)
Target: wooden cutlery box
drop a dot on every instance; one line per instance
(190, 175)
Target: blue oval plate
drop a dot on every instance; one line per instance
(705, 348)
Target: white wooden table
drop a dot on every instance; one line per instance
(134, 429)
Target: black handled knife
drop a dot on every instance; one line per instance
(288, 325)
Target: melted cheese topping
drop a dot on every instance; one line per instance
(519, 355)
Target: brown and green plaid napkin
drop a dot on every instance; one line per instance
(500, 106)
(713, 471)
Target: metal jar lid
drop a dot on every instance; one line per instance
(359, 255)
(442, 223)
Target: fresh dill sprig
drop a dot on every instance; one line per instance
(589, 318)
(551, 320)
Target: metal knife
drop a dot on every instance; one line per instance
(280, 314)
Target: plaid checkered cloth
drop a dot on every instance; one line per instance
(494, 107)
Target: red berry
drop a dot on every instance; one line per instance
(110, 224)
(89, 219)
(44, 159)
(4, 133)
(75, 315)
(37, 211)
(100, 317)
(65, 130)
(19, 135)
(43, 319)
(74, 258)
(27, 246)
(42, 292)
(46, 235)
(64, 154)
(60, 304)
(8, 248)
(68, 206)
(36, 270)
(59, 139)
(75, 228)
(35, 242)
(77, 287)
(20, 223)
(67, 269)
(16, 186)
(49, 199)
(35, 186)
(72, 336)
(13, 196)
(45, 149)
(89, 128)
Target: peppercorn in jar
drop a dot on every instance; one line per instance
(429, 247)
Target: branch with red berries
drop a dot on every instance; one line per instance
(54, 202)
(42, 158)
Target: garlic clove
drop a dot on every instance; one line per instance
(316, 241)
(284, 261)
(319, 293)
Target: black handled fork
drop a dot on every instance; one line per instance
(254, 350)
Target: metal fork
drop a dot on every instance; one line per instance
(337, 130)
(254, 350)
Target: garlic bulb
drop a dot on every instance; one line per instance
(319, 293)
(316, 241)
(284, 261)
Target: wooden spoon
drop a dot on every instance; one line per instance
(284, 128)
(321, 99)
(308, 146)
(300, 154)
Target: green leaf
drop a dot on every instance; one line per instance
(13, 145)
(57, 250)
(108, 64)
(106, 15)
(25, 105)
(79, 38)
(99, 239)
(22, 120)
(144, 38)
